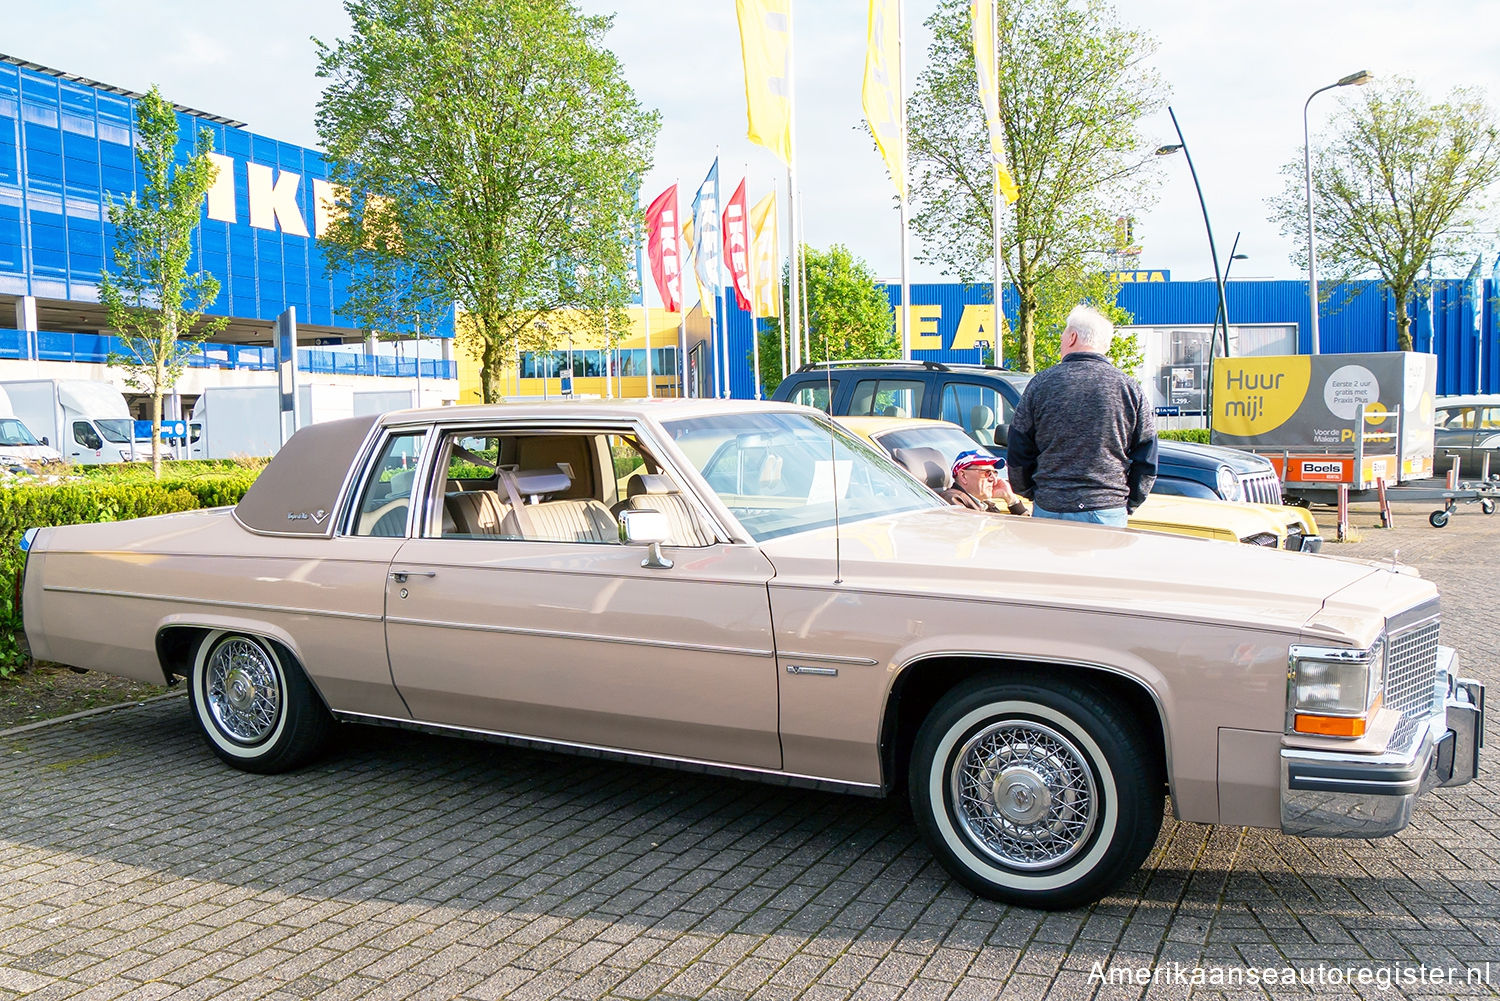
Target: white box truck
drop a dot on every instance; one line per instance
(233, 421)
(86, 421)
(18, 445)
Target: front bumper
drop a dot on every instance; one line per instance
(1339, 795)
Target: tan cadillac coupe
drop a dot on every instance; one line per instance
(748, 589)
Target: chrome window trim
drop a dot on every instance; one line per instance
(665, 455)
(349, 514)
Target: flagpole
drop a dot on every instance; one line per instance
(646, 315)
(905, 183)
(754, 287)
(793, 250)
(683, 389)
(998, 333)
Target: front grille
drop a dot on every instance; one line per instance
(1411, 669)
(1267, 539)
(1262, 488)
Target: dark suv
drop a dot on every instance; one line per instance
(981, 400)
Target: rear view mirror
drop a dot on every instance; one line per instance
(1002, 434)
(645, 527)
(45, 441)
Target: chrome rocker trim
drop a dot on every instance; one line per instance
(1332, 794)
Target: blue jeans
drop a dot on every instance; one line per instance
(1104, 516)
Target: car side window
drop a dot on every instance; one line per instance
(1489, 419)
(815, 394)
(85, 435)
(976, 408)
(1455, 418)
(387, 495)
(887, 398)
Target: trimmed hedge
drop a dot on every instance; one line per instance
(101, 493)
(1198, 435)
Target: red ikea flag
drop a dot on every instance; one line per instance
(737, 245)
(664, 248)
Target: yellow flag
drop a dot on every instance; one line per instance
(982, 14)
(765, 257)
(687, 255)
(765, 41)
(882, 90)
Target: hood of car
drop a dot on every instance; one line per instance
(1236, 459)
(958, 553)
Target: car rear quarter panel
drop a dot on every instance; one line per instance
(97, 595)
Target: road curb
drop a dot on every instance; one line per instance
(97, 711)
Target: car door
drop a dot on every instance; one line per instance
(503, 628)
(1487, 442)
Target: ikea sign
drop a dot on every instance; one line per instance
(274, 201)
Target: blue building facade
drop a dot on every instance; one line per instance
(66, 149)
(1457, 320)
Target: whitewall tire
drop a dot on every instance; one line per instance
(256, 708)
(1039, 793)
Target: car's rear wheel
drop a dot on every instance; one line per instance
(1035, 793)
(255, 706)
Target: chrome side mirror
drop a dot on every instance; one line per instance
(645, 527)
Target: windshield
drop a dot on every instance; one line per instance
(116, 429)
(781, 473)
(13, 432)
(948, 439)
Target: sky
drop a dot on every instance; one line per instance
(1238, 74)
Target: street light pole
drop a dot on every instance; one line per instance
(1233, 256)
(1358, 80)
(1212, 250)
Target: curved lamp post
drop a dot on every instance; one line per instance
(1233, 256)
(1352, 80)
(1181, 144)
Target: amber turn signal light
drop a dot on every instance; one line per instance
(1331, 726)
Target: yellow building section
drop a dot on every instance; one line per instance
(598, 370)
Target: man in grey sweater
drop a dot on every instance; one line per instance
(1082, 443)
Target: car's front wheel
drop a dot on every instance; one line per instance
(255, 707)
(1039, 793)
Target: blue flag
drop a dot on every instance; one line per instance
(706, 237)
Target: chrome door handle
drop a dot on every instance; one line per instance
(399, 576)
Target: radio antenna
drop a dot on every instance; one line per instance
(833, 466)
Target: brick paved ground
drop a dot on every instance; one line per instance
(134, 865)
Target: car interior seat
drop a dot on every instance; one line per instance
(982, 424)
(926, 464)
(567, 520)
(650, 492)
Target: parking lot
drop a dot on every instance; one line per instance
(133, 864)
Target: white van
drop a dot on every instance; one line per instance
(87, 422)
(17, 443)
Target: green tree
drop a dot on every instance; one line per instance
(1085, 285)
(155, 304)
(1074, 88)
(487, 153)
(1399, 185)
(848, 314)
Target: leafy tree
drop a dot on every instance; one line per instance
(1399, 185)
(155, 304)
(486, 153)
(1074, 88)
(848, 313)
(1087, 285)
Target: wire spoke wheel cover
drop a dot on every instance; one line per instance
(243, 690)
(1024, 794)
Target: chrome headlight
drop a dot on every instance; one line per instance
(1229, 485)
(1333, 691)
